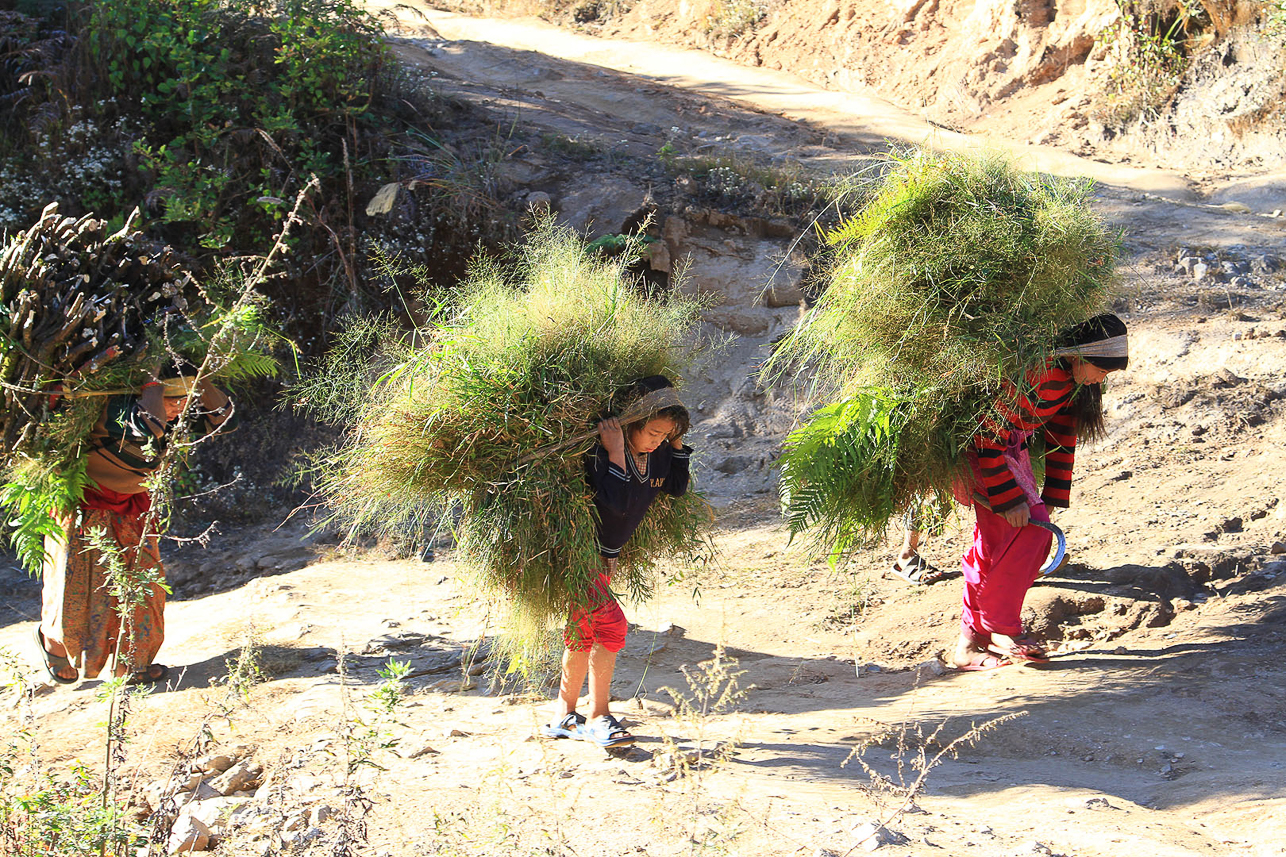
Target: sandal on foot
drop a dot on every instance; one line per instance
(53, 663)
(150, 674)
(1023, 648)
(917, 570)
(981, 662)
(605, 731)
(568, 727)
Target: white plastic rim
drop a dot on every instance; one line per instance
(1060, 547)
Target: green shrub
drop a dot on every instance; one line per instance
(44, 816)
(1146, 62)
(244, 100)
(730, 19)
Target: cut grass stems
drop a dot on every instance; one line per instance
(953, 281)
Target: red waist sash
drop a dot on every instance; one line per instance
(131, 505)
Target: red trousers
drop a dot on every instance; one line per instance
(602, 623)
(999, 568)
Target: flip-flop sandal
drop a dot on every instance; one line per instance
(150, 674)
(917, 570)
(568, 727)
(53, 663)
(605, 731)
(982, 662)
(1023, 649)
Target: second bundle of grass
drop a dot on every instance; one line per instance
(955, 279)
(487, 421)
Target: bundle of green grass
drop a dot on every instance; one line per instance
(956, 277)
(86, 313)
(482, 420)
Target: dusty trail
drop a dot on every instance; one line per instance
(860, 121)
(1159, 730)
(636, 96)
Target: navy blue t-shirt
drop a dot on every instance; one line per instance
(622, 497)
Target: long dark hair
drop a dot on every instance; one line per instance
(640, 388)
(1087, 403)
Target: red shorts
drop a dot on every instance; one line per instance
(602, 623)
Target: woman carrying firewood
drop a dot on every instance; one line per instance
(111, 535)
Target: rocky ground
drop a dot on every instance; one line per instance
(1160, 728)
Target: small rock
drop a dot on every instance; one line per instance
(303, 783)
(1119, 650)
(1035, 848)
(1200, 271)
(659, 258)
(240, 777)
(300, 838)
(422, 750)
(204, 790)
(187, 835)
(538, 201)
(267, 562)
(721, 430)
(382, 202)
(933, 667)
(870, 836)
(455, 733)
(1264, 264)
(217, 763)
(1278, 548)
(733, 465)
(394, 642)
(869, 668)
(215, 813)
(320, 813)
(1098, 803)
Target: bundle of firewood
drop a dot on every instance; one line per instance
(74, 298)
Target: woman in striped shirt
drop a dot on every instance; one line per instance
(1062, 401)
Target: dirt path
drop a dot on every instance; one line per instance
(1159, 730)
(637, 96)
(862, 122)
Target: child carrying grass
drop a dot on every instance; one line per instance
(639, 455)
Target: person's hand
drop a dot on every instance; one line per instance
(677, 441)
(1019, 516)
(613, 439)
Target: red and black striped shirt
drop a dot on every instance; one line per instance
(1044, 407)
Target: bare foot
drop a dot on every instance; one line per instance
(969, 655)
(967, 652)
(1019, 648)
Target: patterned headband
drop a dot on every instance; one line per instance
(1113, 346)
